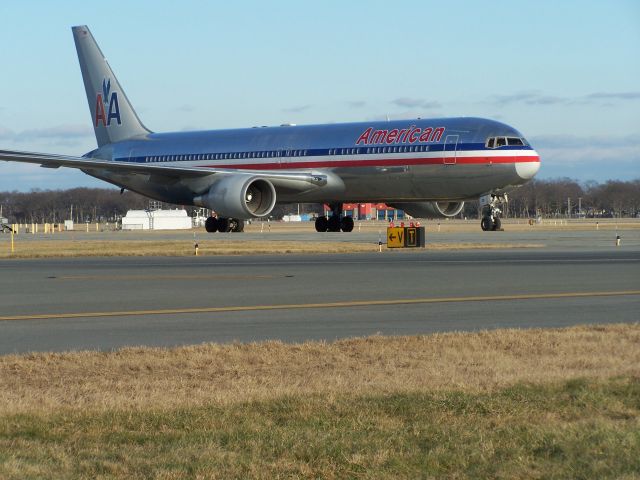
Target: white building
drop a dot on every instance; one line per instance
(156, 220)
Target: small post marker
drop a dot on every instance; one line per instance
(379, 241)
(438, 226)
(12, 247)
(617, 240)
(597, 225)
(195, 245)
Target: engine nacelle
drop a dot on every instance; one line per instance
(239, 196)
(431, 209)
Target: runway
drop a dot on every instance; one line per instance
(106, 303)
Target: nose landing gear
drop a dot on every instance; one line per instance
(490, 211)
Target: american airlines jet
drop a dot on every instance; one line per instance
(426, 167)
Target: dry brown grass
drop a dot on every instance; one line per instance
(143, 378)
(92, 248)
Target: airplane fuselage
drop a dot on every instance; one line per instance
(391, 161)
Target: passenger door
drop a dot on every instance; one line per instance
(451, 149)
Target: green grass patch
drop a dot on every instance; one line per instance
(576, 429)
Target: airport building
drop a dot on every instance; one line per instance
(156, 220)
(370, 211)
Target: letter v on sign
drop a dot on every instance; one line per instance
(395, 237)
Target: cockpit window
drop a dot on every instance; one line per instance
(496, 142)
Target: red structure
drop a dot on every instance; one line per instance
(369, 211)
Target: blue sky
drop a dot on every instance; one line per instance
(565, 73)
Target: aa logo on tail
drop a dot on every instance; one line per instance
(107, 101)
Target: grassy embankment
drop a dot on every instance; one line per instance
(507, 403)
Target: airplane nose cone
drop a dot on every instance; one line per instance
(527, 170)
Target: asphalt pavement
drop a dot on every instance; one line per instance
(106, 303)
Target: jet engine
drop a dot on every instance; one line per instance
(239, 196)
(431, 209)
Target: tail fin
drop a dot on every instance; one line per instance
(113, 116)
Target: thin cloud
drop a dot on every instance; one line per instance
(538, 98)
(613, 96)
(297, 109)
(406, 102)
(528, 98)
(185, 108)
(59, 133)
(598, 158)
(581, 142)
(589, 157)
(407, 115)
(357, 103)
(6, 134)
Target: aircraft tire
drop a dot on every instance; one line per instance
(321, 224)
(224, 225)
(346, 224)
(496, 224)
(237, 225)
(333, 224)
(486, 224)
(211, 224)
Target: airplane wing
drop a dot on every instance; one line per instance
(87, 163)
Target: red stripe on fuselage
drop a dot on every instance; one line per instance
(383, 162)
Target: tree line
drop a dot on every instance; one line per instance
(547, 198)
(78, 204)
(564, 197)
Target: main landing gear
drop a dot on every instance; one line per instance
(335, 222)
(490, 211)
(216, 224)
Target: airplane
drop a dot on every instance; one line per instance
(426, 167)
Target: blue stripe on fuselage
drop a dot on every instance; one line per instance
(314, 152)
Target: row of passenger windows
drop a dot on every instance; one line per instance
(356, 151)
(495, 142)
(226, 156)
(284, 153)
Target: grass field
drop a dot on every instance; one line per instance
(270, 239)
(556, 403)
(240, 246)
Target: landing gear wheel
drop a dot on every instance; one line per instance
(224, 225)
(486, 224)
(211, 224)
(321, 224)
(496, 224)
(346, 224)
(236, 225)
(333, 224)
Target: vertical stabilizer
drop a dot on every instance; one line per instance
(112, 115)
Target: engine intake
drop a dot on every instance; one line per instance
(239, 196)
(431, 209)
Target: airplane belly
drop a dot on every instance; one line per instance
(417, 182)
